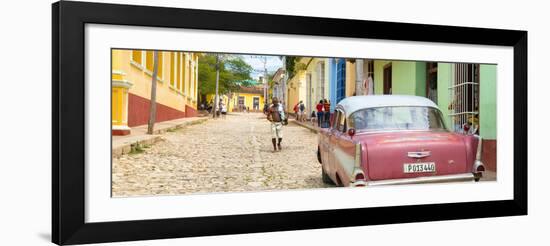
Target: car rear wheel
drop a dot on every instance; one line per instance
(326, 178)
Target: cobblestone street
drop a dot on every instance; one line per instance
(222, 155)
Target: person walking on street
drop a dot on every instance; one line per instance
(326, 120)
(275, 116)
(219, 109)
(320, 116)
(302, 111)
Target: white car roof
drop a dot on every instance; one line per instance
(354, 103)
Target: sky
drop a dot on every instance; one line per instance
(273, 63)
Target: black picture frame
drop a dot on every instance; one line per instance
(68, 122)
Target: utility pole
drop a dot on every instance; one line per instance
(264, 79)
(153, 104)
(283, 89)
(214, 107)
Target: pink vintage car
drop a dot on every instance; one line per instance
(390, 139)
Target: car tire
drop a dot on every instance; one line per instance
(326, 178)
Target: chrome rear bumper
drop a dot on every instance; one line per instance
(423, 180)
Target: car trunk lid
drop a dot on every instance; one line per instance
(390, 155)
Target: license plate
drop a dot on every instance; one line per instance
(419, 167)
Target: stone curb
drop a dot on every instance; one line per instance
(145, 139)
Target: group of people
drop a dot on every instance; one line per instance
(299, 111)
(322, 112)
(220, 110)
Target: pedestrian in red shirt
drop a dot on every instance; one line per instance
(320, 115)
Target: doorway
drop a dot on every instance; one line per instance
(387, 79)
(431, 81)
(256, 103)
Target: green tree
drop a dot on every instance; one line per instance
(233, 72)
(290, 63)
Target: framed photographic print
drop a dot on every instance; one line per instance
(173, 122)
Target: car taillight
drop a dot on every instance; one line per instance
(360, 176)
(351, 132)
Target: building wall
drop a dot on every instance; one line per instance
(488, 114)
(408, 78)
(487, 99)
(350, 79)
(332, 83)
(139, 111)
(297, 89)
(316, 80)
(312, 89)
(327, 78)
(232, 100)
(444, 79)
(167, 94)
(292, 97)
(173, 101)
(378, 76)
(248, 100)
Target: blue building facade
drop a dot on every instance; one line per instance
(332, 83)
(340, 80)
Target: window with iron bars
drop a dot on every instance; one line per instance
(464, 95)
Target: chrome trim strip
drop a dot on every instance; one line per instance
(419, 180)
(479, 148)
(358, 155)
(358, 183)
(364, 132)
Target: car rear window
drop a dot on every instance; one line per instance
(397, 118)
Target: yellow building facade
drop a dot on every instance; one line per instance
(251, 98)
(310, 84)
(350, 78)
(296, 89)
(131, 78)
